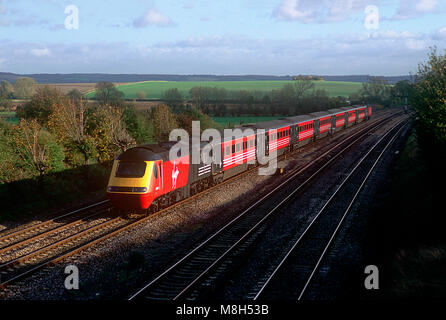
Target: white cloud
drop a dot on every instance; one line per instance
(412, 9)
(152, 18)
(426, 5)
(288, 10)
(391, 34)
(414, 44)
(319, 11)
(40, 52)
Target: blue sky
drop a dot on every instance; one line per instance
(276, 37)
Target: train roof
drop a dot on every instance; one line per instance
(335, 111)
(320, 114)
(273, 124)
(142, 153)
(348, 108)
(299, 119)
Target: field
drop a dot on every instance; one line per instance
(9, 116)
(229, 121)
(67, 87)
(155, 89)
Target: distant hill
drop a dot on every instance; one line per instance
(96, 77)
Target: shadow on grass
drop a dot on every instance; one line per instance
(30, 196)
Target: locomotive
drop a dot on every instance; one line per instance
(146, 176)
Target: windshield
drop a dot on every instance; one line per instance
(127, 169)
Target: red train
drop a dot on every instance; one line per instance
(144, 176)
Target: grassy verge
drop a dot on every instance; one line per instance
(409, 232)
(25, 198)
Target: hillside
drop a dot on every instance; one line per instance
(96, 77)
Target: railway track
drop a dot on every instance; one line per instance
(183, 279)
(293, 275)
(27, 259)
(9, 238)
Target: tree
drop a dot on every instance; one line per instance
(139, 124)
(6, 90)
(37, 147)
(428, 98)
(400, 92)
(172, 97)
(110, 132)
(68, 122)
(107, 94)
(300, 87)
(164, 122)
(376, 91)
(24, 88)
(75, 95)
(140, 95)
(42, 104)
(198, 96)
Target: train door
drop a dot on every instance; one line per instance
(267, 143)
(216, 163)
(157, 177)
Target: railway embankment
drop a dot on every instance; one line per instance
(406, 236)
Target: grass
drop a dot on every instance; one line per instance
(229, 121)
(9, 116)
(410, 236)
(155, 89)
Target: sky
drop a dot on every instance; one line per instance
(231, 37)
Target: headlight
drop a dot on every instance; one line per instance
(139, 189)
(127, 189)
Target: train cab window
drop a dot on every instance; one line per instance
(131, 169)
(155, 172)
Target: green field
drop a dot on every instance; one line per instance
(155, 89)
(229, 121)
(9, 116)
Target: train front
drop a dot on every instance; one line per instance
(133, 182)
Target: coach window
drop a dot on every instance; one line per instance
(233, 148)
(228, 150)
(238, 147)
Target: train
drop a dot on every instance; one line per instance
(145, 178)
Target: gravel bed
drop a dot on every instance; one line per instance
(117, 267)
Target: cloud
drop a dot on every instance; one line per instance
(414, 9)
(327, 11)
(40, 52)
(188, 6)
(415, 44)
(152, 18)
(385, 52)
(426, 5)
(293, 10)
(440, 34)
